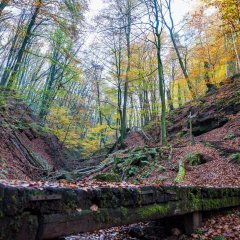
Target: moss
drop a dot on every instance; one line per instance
(102, 216)
(195, 159)
(152, 210)
(124, 212)
(199, 231)
(212, 203)
(41, 130)
(181, 173)
(207, 144)
(108, 177)
(230, 136)
(195, 201)
(219, 238)
(235, 158)
(14, 199)
(152, 152)
(70, 206)
(17, 221)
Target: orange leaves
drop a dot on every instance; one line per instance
(225, 225)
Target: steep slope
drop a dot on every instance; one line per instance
(210, 112)
(216, 130)
(27, 150)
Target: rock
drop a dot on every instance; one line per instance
(176, 232)
(195, 159)
(207, 123)
(108, 177)
(136, 232)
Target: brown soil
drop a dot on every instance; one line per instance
(21, 137)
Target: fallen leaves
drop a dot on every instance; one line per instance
(64, 184)
(226, 225)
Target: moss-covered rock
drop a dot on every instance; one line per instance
(195, 159)
(235, 158)
(108, 177)
(152, 210)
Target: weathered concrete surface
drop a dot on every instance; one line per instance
(27, 213)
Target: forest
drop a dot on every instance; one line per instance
(121, 93)
(141, 65)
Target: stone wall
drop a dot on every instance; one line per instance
(28, 213)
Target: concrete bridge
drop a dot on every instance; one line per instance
(52, 212)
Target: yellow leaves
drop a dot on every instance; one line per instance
(92, 141)
(64, 126)
(229, 11)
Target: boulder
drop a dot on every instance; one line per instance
(195, 159)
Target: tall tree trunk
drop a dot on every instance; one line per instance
(146, 108)
(236, 50)
(182, 65)
(102, 140)
(11, 59)
(125, 96)
(170, 101)
(179, 95)
(26, 39)
(162, 92)
(48, 91)
(176, 48)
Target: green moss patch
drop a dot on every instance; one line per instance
(219, 238)
(108, 177)
(195, 159)
(230, 136)
(181, 173)
(153, 210)
(235, 158)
